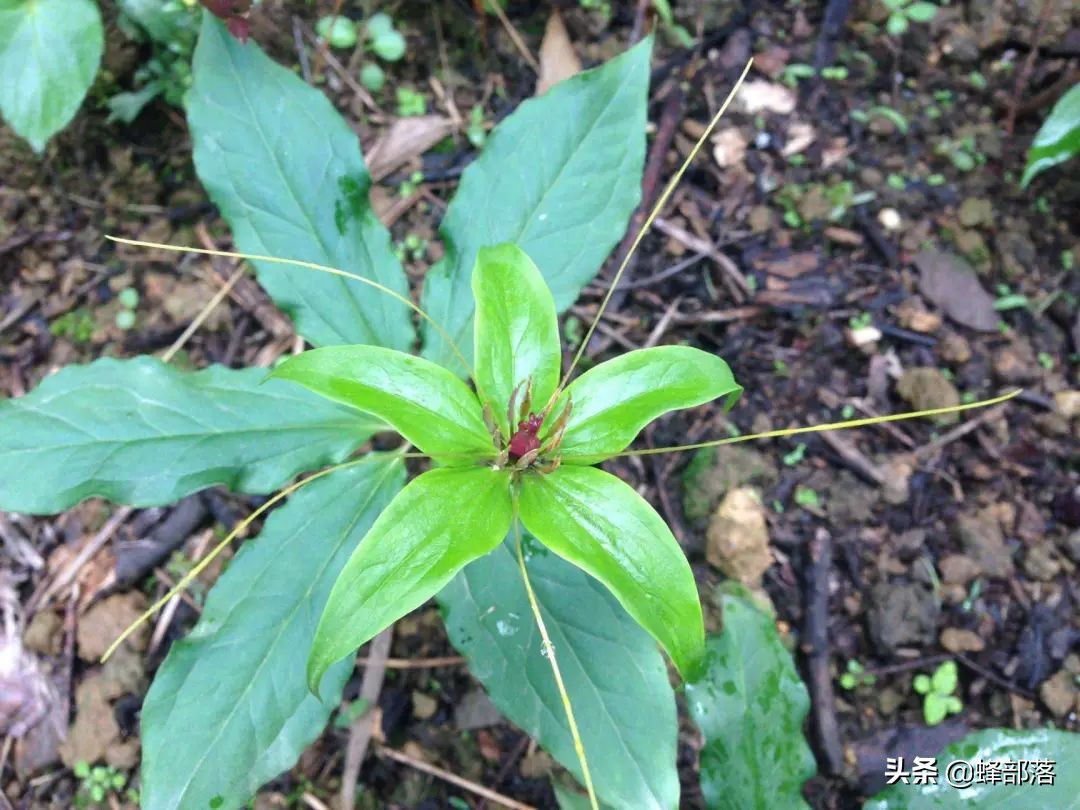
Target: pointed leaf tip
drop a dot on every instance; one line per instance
(441, 521)
(600, 524)
(516, 332)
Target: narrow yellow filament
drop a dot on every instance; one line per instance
(851, 423)
(237, 530)
(549, 652)
(322, 268)
(668, 190)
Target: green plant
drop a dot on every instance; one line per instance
(171, 28)
(963, 152)
(99, 783)
(339, 32)
(1007, 299)
(1058, 139)
(937, 691)
(476, 132)
(77, 325)
(904, 12)
(129, 300)
(532, 220)
(410, 102)
(855, 675)
(50, 51)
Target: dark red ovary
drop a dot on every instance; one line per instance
(526, 439)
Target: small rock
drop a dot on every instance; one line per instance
(902, 613)
(536, 765)
(888, 701)
(761, 95)
(890, 218)
(124, 755)
(956, 640)
(954, 349)
(1016, 363)
(958, 569)
(1059, 693)
(761, 219)
(106, 620)
(871, 177)
(423, 705)
(975, 211)
(1016, 252)
(897, 487)
(962, 44)
(1041, 563)
(729, 147)
(814, 205)
(910, 543)
(972, 244)
(1072, 546)
(850, 501)
(476, 711)
(714, 472)
(914, 316)
(980, 535)
(45, 634)
(737, 540)
(1068, 403)
(927, 388)
(94, 729)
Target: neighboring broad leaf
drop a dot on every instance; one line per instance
(442, 520)
(517, 330)
(601, 525)
(750, 705)
(143, 433)
(423, 402)
(285, 170)
(49, 54)
(1058, 139)
(614, 673)
(560, 178)
(995, 746)
(174, 24)
(616, 399)
(230, 708)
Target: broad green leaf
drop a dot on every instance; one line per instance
(560, 178)
(442, 520)
(600, 524)
(423, 402)
(143, 433)
(616, 399)
(1058, 139)
(614, 672)
(517, 330)
(49, 54)
(229, 708)
(285, 170)
(169, 24)
(750, 705)
(1001, 747)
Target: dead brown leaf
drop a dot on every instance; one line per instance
(407, 138)
(949, 282)
(558, 60)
